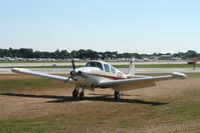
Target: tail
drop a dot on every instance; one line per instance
(131, 71)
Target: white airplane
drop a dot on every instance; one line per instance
(99, 74)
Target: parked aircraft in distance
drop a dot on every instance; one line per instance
(99, 74)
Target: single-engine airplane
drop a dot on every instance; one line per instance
(99, 74)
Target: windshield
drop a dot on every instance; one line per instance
(94, 64)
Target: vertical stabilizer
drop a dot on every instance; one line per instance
(131, 71)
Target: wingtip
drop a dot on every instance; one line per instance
(179, 75)
(18, 70)
(15, 70)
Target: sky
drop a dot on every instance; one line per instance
(142, 26)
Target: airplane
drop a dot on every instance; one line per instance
(99, 74)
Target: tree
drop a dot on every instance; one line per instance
(1, 52)
(84, 54)
(74, 54)
(26, 52)
(64, 54)
(191, 54)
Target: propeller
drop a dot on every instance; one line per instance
(73, 72)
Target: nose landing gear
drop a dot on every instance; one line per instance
(76, 94)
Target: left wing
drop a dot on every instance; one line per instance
(132, 80)
(55, 77)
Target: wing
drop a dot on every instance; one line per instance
(139, 82)
(55, 77)
(137, 76)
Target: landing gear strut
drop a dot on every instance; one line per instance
(117, 95)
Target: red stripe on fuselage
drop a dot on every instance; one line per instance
(109, 77)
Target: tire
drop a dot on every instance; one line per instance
(75, 94)
(81, 96)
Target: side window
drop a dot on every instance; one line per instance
(113, 70)
(107, 68)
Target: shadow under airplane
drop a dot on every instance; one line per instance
(62, 99)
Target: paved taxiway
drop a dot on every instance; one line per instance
(138, 70)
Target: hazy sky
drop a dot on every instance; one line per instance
(143, 26)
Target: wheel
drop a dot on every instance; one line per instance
(81, 96)
(117, 95)
(75, 94)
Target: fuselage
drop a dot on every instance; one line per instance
(97, 71)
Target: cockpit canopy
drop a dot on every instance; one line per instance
(94, 64)
(101, 65)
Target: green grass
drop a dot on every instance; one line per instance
(120, 66)
(22, 126)
(103, 116)
(182, 110)
(103, 120)
(37, 83)
(56, 123)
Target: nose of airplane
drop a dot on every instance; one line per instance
(74, 72)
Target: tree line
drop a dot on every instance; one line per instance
(87, 54)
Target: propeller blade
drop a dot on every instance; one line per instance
(73, 64)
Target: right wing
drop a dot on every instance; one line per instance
(55, 77)
(131, 80)
(140, 82)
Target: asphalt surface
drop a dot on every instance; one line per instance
(138, 70)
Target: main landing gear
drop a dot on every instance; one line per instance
(76, 94)
(117, 95)
(81, 95)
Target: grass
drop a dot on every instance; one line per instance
(104, 116)
(119, 66)
(28, 84)
(103, 120)
(57, 123)
(92, 121)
